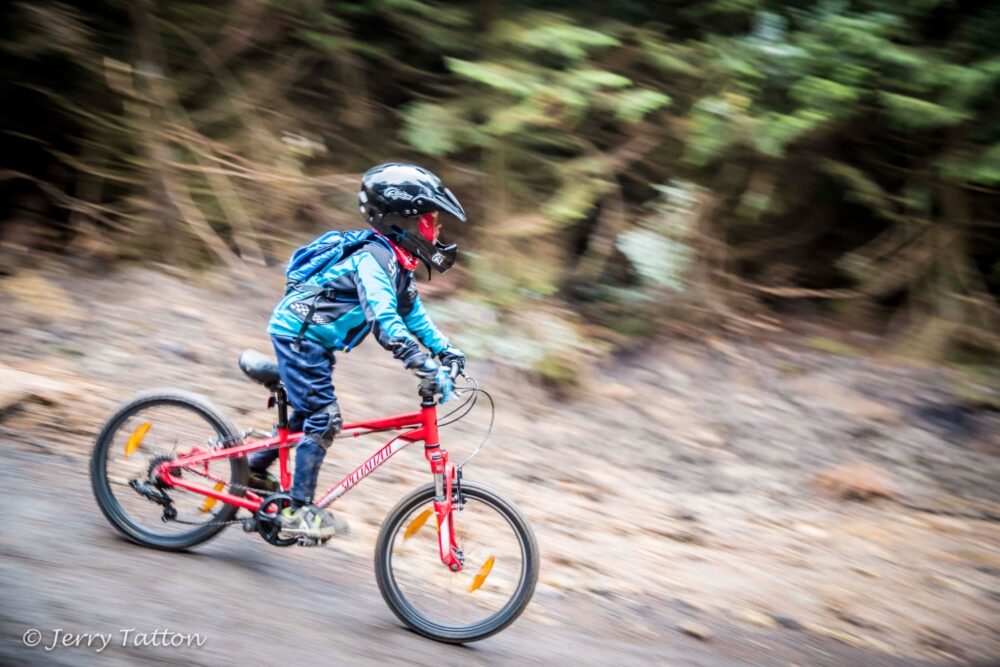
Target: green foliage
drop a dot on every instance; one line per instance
(429, 128)
(715, 127)
(776, 131)
(590, 80)
(495, 75)
(816, 92)
(672, 59)
(860, 187)
(554, 34)
(985, 169)
(915, 114)
(584, 182)
(632, 106)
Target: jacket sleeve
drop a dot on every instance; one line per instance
(419, 322)
(378, 300)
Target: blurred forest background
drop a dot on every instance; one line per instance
(629, 167)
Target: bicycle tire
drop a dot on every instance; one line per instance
(110, 506)
(409, 615)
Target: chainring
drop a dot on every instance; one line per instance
(268, 522)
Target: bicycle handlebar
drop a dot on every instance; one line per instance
(428, 386)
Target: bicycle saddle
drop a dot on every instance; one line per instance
(260, 367)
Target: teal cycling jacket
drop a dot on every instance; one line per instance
(367, 291)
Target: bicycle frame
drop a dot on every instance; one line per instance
(419, 426)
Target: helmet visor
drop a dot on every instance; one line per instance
(448, 203)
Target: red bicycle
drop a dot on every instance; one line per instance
(169, 471)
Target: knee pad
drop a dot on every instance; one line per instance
(334, 425)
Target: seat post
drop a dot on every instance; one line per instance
(281, 400)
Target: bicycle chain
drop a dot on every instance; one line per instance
(263, 493)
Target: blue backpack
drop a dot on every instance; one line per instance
(310, 260)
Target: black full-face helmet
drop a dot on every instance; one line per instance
(396, 198)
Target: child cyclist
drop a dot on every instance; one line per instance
(370, 288)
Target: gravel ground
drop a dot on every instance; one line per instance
(687, 501)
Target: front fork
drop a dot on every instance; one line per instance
(445, 477)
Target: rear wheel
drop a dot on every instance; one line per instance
(492, 589)
(148, 430)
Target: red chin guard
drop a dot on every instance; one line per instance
(426, 226)
(405, 257)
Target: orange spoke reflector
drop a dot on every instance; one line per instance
(209, 500)
(417, 524)
(135, 439)
(480, 577)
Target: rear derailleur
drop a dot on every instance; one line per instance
(152, 488)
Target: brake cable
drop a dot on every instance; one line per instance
(468, 404)
(465, 408)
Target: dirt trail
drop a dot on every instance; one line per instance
(697, 506)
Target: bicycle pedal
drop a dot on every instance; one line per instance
(311, 542)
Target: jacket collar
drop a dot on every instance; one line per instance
(405, 257)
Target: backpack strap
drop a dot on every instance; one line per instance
(316, 291)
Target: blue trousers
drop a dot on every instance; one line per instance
(308, 379)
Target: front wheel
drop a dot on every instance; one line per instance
(492, 589)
